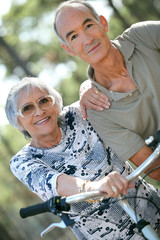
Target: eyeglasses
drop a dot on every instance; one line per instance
(29, 109)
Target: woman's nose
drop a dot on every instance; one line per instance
(38, 111)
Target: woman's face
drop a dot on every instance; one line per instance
(42, 122)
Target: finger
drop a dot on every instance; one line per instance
(96, 91)
(100, 98)
(93, 106)
(94, 97)
(99, 101)
(119, 182)
(110, 190)
(114, 189)
(125, 183)
(84, 112)
(96, 100)
(90, 103)
(99, 93)
(111, 187)
(121, 187)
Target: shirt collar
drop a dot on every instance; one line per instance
(126, 48)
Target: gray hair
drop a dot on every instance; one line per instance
(27, 85)
(67, 4)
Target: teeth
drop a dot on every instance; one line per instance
(41, 121)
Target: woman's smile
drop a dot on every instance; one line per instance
(43, 121)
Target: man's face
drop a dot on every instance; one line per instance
(83, 34)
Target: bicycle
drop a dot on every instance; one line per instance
(61, 205)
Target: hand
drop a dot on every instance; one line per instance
(113, 184)
(91, 97)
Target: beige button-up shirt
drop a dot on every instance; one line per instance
(133, 116)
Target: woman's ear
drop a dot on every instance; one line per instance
(57, 111)
(67, 49)
(104, 22)
(20, 128)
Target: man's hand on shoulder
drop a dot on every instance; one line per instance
(91, 97)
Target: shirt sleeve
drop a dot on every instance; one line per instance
(123, 141)
(35, 175)
(146, 33)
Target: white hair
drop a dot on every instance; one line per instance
(27, 85)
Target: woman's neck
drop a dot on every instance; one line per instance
(47, 141)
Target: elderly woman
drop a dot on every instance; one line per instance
(65, 156)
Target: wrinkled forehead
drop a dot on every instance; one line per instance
(71, 15)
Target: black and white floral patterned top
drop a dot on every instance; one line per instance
(81, 153)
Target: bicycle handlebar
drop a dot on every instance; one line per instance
(55, 205)
(34, 210)
(58, 202)
(145, 164)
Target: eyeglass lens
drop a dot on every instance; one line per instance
(43, 103)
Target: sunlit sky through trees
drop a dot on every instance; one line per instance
(7, 83)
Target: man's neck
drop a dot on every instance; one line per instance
(112, 73)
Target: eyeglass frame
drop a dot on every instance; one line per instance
(19, 113)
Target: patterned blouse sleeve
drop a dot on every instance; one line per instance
(36, 175)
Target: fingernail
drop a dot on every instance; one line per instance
(106, 107)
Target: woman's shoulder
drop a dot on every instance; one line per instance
(73, 120)
(74, 108)
(72, 113)
(23, 153)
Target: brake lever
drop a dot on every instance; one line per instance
(66, 221)
(52, 226)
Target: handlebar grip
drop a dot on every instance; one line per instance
(34, 210)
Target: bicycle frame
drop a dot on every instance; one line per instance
(148, 232)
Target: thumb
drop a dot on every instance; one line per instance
(84, 112)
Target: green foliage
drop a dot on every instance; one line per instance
(115, 28)
(142, 10)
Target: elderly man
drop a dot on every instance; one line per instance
(127, 70)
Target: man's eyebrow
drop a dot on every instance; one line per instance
(69, 33)
(85, 21)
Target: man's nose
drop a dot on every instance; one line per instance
(87, 39)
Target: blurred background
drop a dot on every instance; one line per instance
(29, 47)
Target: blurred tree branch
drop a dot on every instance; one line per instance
(15, 56)
(5, 142)
(117, 14)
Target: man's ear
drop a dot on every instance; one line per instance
(67, 49)
(104, 22)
